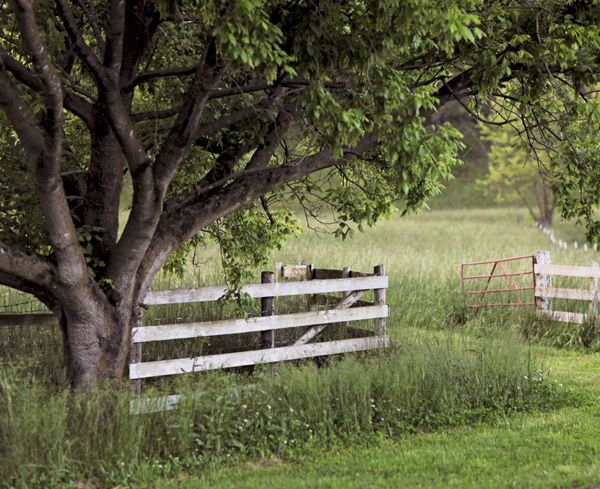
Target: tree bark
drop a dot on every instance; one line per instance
(104, 185)
(96, 335)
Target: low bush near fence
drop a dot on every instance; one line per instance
(52, 438)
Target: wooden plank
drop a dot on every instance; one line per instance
(350, 299)
(345, 303)
(249, 325)
(593, 305)
(567, 270)
(154, 404)
(135, 356)
(176, 296)
(298, 272)
(327, 273)
(323, 273)
(330, 300)
(563, 316)
(360, 274)
(258, 291)
(379, 296)
(239, 359)
(558, 293)
(28, 319)
(267, 308)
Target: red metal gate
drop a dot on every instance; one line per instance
(519, 282)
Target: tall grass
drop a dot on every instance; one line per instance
(422, 255)
(448, 366)
(50, 438)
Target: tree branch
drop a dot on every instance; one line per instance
(113, 52)
(473, 113)
(246, 185)
(83, 50)
(150, 184)
(152, 115)
(90, 13)
(185, 129)
(46, 166)
(42, 294)
(26, 267)
(217, 200)
(164, 73)
(73, 102)
(29, 133)
(231, 152)
(240, 90)
(275, 135)
(236, 117)
(51, 84)
(259, 87)
(115, 141)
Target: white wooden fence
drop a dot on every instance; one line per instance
(545, 292)
(311, 322)
(565, 245)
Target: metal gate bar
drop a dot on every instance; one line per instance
(497, 265)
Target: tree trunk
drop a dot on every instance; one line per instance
(104, 184)
(547, 207)
(546, 218)
(97, 338)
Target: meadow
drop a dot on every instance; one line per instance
(495, 399)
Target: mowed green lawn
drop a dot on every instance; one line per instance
(422, 254)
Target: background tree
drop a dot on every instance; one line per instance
(514, 176)
(219, 112)
(573, 159)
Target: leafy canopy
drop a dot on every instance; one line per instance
(356, 80)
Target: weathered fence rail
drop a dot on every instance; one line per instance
(255, 324)
(257, 291)
(28, 319)
(545, 292)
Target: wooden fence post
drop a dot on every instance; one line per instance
(346, 273)
(267, 308)
(310, 298)
(135, 356)
(543, 304)
(379, 296)
(309, 271)
(593, 307)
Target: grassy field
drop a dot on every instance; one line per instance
(470, 416)
(422, 254)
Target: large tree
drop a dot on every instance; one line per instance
(207, 107)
